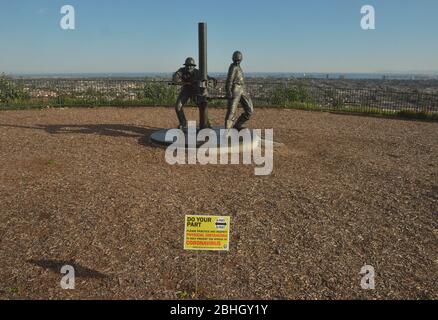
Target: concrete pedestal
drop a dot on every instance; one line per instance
(249, 140)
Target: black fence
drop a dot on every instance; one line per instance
(265, 93)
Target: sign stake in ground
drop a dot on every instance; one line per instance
(206, 233)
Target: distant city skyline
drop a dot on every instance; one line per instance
(331, 75)
(313, 36)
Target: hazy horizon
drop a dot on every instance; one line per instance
(351, 75)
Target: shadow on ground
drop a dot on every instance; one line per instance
(110, 130)
(56, 265)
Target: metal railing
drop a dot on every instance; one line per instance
(267, 93)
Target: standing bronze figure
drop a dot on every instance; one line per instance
(236, 93)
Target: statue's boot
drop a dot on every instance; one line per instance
(182, 120)
(244, 117)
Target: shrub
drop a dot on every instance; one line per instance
(286, 96)
(9, 91)
(158, 93)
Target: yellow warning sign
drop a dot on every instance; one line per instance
(207, 233)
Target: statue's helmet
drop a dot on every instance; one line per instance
(237, 56)
(190, 62)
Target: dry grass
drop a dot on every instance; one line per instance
(85, 187)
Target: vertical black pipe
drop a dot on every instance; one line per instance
(202, 31)
(202, 101)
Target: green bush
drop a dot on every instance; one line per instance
(9, 91)
(158, 93)
(289, 96)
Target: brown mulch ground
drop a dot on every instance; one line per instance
(85, 187)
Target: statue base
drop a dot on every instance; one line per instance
(220, 145)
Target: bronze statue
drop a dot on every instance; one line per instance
(236, 93)
(189, 78)
(195, 83)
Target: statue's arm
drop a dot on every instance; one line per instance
(230, 80)
(177, 77)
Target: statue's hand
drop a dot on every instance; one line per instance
(212, 82)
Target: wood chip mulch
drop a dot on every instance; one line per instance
(85, 187)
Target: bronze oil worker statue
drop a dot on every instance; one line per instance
(189, 78)
(235, 91)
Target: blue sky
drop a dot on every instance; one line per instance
(275, 35)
